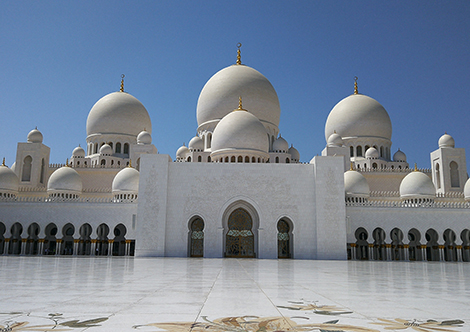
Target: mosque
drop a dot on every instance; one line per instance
(237, 189)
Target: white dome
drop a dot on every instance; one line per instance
(355, 184)
(417, 185)
(372, 153)
(334, 140)
(106, 150)
(196, 144)
(9, 182)
(280, 145)
(35, 136)
(294, 154)
(466, 190)
(78, 152)
(144, 137)
(399, 156)
(446, 141)
(66, 180)
(182, 152)
(240, 130)
(118, 113)
(127, 180)
(222, 91)
(359, 116)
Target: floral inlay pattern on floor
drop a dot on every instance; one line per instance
(313, 306)
(428, 326)
(13, 323)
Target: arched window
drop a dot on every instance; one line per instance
(96, 147)
(277, 160)
(359, 151)
(126, 148)
(102, 241)
(253, 159)
(381, 152)
(199, 159)
(380, 253)
(232, 160)
(226, 159)
(209, 140)
(42, 175)
(247, 159)
(240, 159)
(374, 165)
(196, 246)
(118, 147)
(208, 159)
(26, 174)
(287, 160)
(103, 162)
(188, 159)
(454, 175)
(351, 151)
(438, 176)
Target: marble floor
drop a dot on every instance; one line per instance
(179, 294)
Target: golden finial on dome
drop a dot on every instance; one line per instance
(122, 82)
(239, 57)
(240, 106)
(416, 168)
(3, 164)
(67, 162)
(130, 162)
(355, 85)
(351, 167)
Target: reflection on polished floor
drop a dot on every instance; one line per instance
(179, 294)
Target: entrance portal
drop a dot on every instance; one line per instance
(239, 241)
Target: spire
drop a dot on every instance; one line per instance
(355, 85)
(239, 57)
(3, 164)
(416, 168)
(130, 163)
(122, 83)
(67, 162)
(351, 167)
(240, 106)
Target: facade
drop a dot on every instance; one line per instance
(237, 189)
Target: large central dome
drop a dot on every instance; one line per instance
(223, 89)
(118, 113)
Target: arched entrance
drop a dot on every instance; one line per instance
(239, 240)
(284, 239)
(196, 248)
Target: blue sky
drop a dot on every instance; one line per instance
(57, 58)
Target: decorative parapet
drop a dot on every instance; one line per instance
(32, 189)
(88, 166)
(395, 204)
(452, 194)
(384, 194)
(391, 170)
(97, 190)
(80, 200)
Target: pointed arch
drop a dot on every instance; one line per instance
(26, 172)
(196, 237)
(285, 238)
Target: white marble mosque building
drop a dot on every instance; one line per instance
(237, 189)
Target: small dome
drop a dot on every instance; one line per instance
(118, 113)
(466, 190)
(222, 90)
(106, 150)
(35, 136)
(126, 181)
(335, 140)
(372, 153)
(417, 185)
(240, 130)
(355, 184)
(66, 180)
(446, 141)
(399, 156)
(294, 154)
(182, 153)
(196, 144)
(359, 116)
(8, 180)
(280, 145)
(78, 152)
(144, 137)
